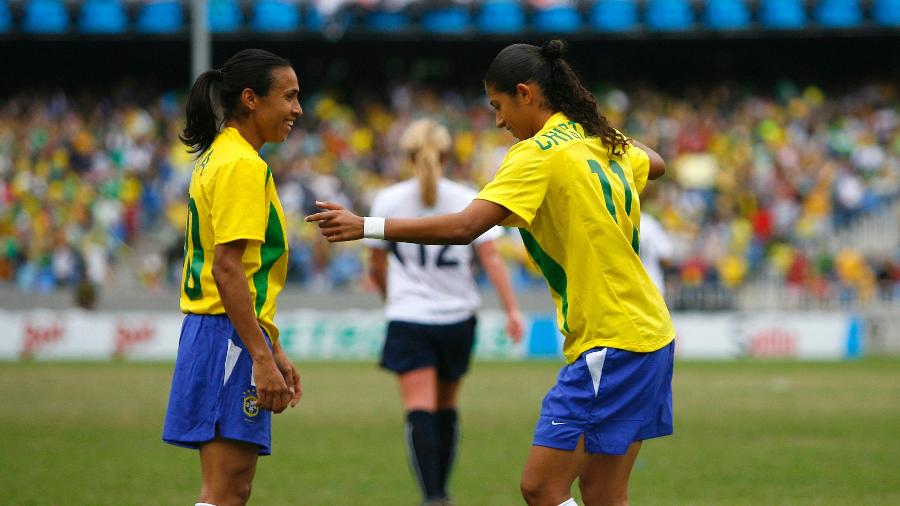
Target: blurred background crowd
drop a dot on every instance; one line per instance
(760, 180)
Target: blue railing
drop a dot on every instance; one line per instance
(627, 17)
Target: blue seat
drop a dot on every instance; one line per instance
(727, 14)
(275, 16)
(613, 15)
(5, 17)
(669, 15)
(224, 16)
(782, 14)
(562, 18)
(102, 16)
(453, 19)
(838, 13)
(45, 16)
(388, 21)
(886, 12)
(161, 16)
(501, 16)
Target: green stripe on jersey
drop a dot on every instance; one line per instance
(552, 271)
(635, 241)
(621, 173)
(607, 188)
(269, 252)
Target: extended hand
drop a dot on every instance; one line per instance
(336, 223)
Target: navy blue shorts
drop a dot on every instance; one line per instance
(613, 397)
(409, 346)
(213, 392)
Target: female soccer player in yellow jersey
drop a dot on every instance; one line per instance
(231, 373)
(571, 186)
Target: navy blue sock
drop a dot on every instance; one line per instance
(423, 446)
(448, 436)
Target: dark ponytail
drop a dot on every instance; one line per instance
(544, 66)
(215, 96)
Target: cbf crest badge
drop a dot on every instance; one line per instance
(250, 407)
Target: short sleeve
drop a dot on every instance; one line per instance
(238, 201)
(640, 166)
(379, 210)
(520, 184)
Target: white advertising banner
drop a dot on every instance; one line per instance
(358, 335)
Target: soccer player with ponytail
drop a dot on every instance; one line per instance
(571, 186)
(431, 300)
(231, 372)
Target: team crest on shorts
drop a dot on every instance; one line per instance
(250, 408)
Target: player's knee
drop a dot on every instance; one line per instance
(533, 491)
(242, 492)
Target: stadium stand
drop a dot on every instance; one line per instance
(759, 184)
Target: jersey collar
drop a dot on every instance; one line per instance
(236, 137)
(552, 121)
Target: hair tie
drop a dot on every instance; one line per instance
(220, 74)
(553, 50)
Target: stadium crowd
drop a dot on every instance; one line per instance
(756, 181)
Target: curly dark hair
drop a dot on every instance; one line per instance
(545, 66)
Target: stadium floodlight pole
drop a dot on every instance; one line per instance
(201, 42)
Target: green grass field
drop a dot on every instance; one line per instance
(747, 433)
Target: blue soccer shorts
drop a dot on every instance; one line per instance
(213, 392)
(448, 348)
(613, 397)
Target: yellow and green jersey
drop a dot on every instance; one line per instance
(232, 197)
(578, 211)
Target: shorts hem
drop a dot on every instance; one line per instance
(195, 444)
(556, 445)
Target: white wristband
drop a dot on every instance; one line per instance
(373, 228)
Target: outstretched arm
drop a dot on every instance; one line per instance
(338, 224)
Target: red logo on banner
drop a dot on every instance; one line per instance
(37, 336)
(773, 342)
(127, 337)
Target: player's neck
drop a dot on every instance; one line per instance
(247, 131)
(540, 119)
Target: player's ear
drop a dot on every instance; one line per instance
(248, 98)
(524, 92)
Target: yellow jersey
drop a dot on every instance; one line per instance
(232, 196)
(578, 211)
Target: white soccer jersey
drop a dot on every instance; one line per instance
(428, 284)
(655, 247)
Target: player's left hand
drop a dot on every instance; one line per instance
(336, 223)
(291, 376)
(515, 326)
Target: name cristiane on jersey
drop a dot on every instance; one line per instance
(560, 134)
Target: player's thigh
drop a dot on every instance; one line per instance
(228, 466)
(418, 388)
(604, 478)
(549, 473)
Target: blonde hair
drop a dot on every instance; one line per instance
(425, 140)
